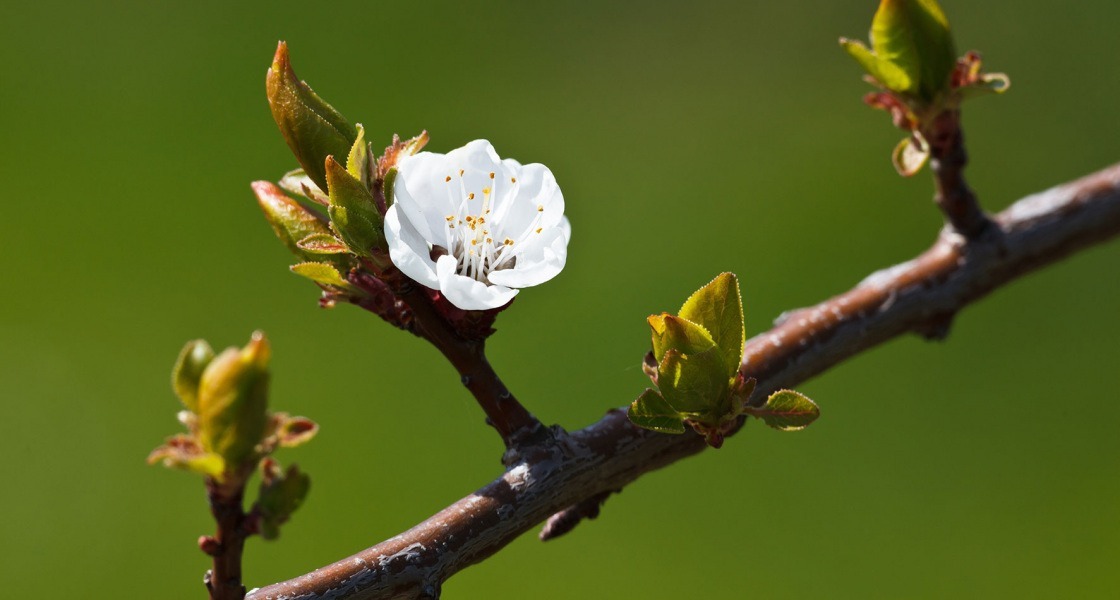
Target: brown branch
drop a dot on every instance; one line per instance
(948, 160)
(921, 295)
(405, 304)
(223, 581)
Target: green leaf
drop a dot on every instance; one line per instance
(914, 36)
(184, 452)
(787, 410)
(910, 155)
(651, 411)
(695, 384)
(671, 332)
(312, 128)
(320, 272)
(297, 182)
(353, 211)
(358, 160)
(718, 308)
(233, 401)
(187, 372)
(290, 220)
(322, 243)
(887, 74)
(296, 431)
(281, 493)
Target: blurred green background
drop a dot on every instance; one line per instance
(688, 139)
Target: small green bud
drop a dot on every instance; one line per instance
(313, 129)
(695, 365)
(911, 51)
(233, 401)
(353, 210)
(188, 370)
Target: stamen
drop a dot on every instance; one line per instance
(447, 179)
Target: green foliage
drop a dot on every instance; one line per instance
(697, 355)
(322, 243)
(718, 308)
(913, 60)
(911, 49)
(359, 163)
(290, 220)
(312, 128)
(281, 493)
(321, 272)
(233, 401)
(695, 363)
(185, 376)
(231, 432)
(786, 410)
(652, 411)
(353, 211)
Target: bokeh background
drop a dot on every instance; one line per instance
(688, 139)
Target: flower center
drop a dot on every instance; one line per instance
(475, 235)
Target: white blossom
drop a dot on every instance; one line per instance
(476, 227)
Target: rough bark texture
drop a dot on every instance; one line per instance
(921, 295)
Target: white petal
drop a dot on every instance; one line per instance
(539, 263)
(424, 194)
(408, 250)
(536, 190)
(467, 293)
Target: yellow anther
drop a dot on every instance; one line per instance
(473, 243)
(489, 240)
(460, 172)
(491, 175)
(508, 242)
(539, 229)
(513, 180)
(450, 218)
(486, 191)
(470, 196)
(540, 208)
(448, 178)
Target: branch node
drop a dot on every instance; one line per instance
(937, 328)
(567, 519)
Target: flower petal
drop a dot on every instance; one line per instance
(540, 262)
(467, 293)
(408, 251)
